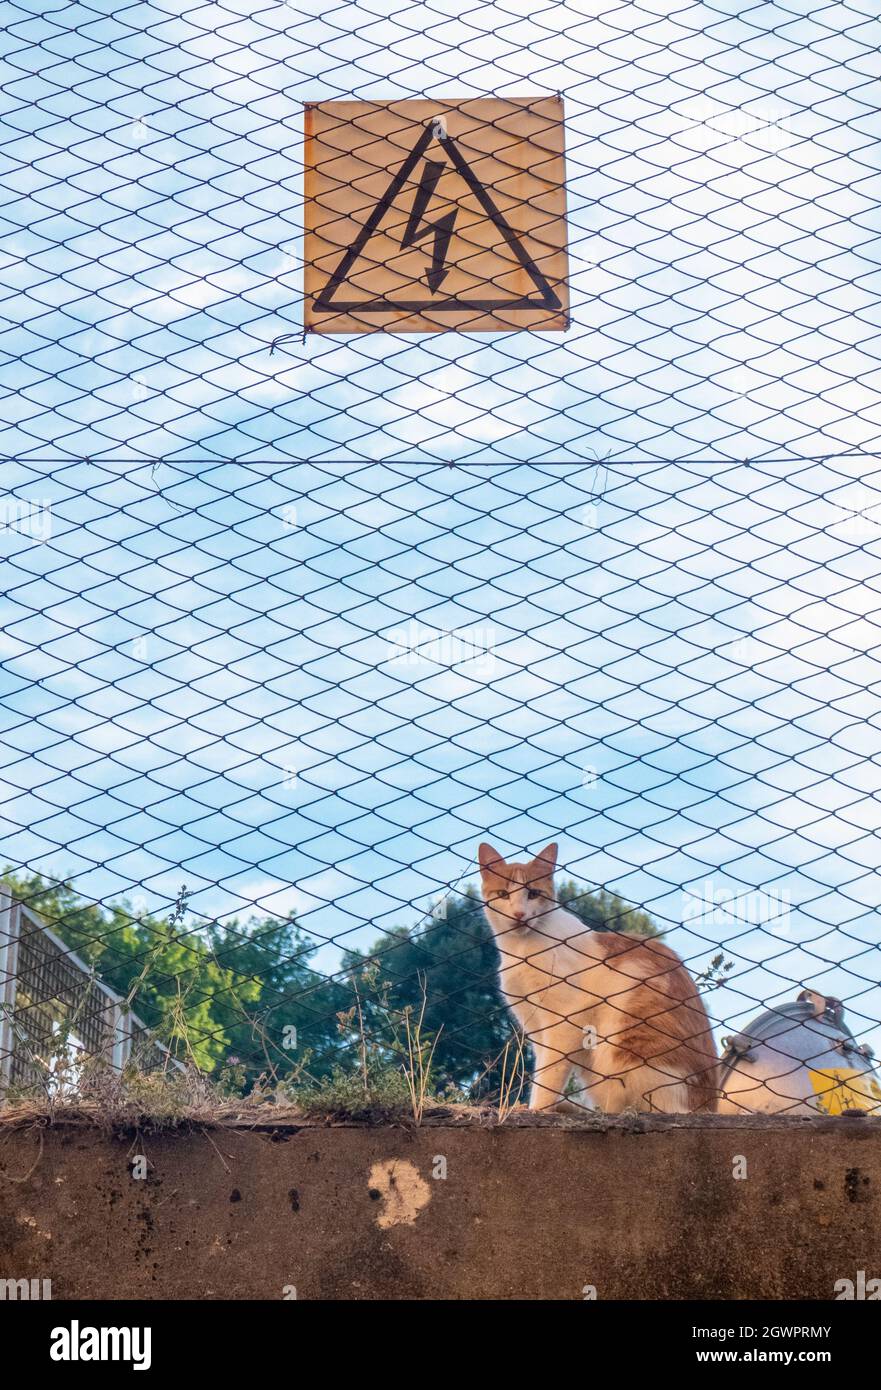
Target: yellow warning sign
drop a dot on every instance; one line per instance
(839, 1090)
(426, 216)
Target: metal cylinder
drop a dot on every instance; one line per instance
(798, 1058)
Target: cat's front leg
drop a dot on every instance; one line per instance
(585, 1079)
(549, 1077)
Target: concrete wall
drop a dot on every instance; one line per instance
(648, 1210)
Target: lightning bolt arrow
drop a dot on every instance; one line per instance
(442, 229)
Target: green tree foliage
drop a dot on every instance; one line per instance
(166, 970)
(211, 992)
(604, 911)
(455, 957)
(293, 1017)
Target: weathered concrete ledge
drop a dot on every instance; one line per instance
(641, 1207)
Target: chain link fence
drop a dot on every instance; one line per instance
(296, 615)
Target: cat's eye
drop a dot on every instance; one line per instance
(501, 895)
(533, 893)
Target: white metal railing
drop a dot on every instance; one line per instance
(41, 977)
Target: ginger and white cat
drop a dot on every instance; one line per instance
(620, 1011)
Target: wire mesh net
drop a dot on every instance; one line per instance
(293, 621)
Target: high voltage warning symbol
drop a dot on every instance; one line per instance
(423, 217)
(420, 226)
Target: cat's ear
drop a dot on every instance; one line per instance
(488, 859)
(547, 860)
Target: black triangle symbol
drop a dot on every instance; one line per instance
(326, 303)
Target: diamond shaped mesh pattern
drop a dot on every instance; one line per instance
(297, 621)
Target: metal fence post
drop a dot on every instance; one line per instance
(122, 1037)
(9, 933)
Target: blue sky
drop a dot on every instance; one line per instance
(636, 615)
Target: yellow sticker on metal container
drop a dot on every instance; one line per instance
(839, 1090)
